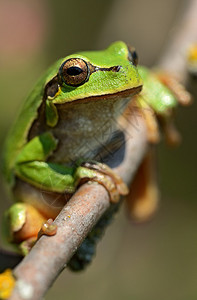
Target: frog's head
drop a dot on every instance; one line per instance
(93, 74)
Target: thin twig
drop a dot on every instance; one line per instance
(183, 35)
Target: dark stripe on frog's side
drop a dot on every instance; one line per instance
(93, 68)
(39, 125)
(113, 69)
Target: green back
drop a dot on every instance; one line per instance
(156, 94)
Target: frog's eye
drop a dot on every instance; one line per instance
(132, 55)
(74, 72)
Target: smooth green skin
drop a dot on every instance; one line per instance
(28, 160)
(155, 94)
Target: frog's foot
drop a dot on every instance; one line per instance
(108, 178)
(47, 228)
(26, 245)
(22, 224)
(142, 200)
(172, 135)
(149, 116)
(179, 91)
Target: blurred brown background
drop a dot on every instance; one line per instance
(154, 261)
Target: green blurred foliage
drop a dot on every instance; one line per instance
(153, 261)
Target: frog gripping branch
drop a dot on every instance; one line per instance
(63, 127)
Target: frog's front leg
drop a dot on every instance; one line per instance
(32, 167)
(109, 179)
(57, 178)
(172, 83)
(182, 96)
(171, 134)
(153, 135)
(166, 120)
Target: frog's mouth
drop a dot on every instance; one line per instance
(121, 94)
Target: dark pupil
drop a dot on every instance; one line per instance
(73, 71)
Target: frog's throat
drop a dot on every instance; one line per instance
(122, 94)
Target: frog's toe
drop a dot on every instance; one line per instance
(48, 228)
(26, 245)
(179, 91)
(173, 137)
(149, 116)
(109, 179)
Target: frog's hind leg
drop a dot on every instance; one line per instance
(171, 133)
(142, 200)
(22, 222)
(182, 95)
(152, 127)
(165, 120)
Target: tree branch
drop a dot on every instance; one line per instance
(183, 35)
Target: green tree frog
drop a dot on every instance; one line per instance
(66, 121)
